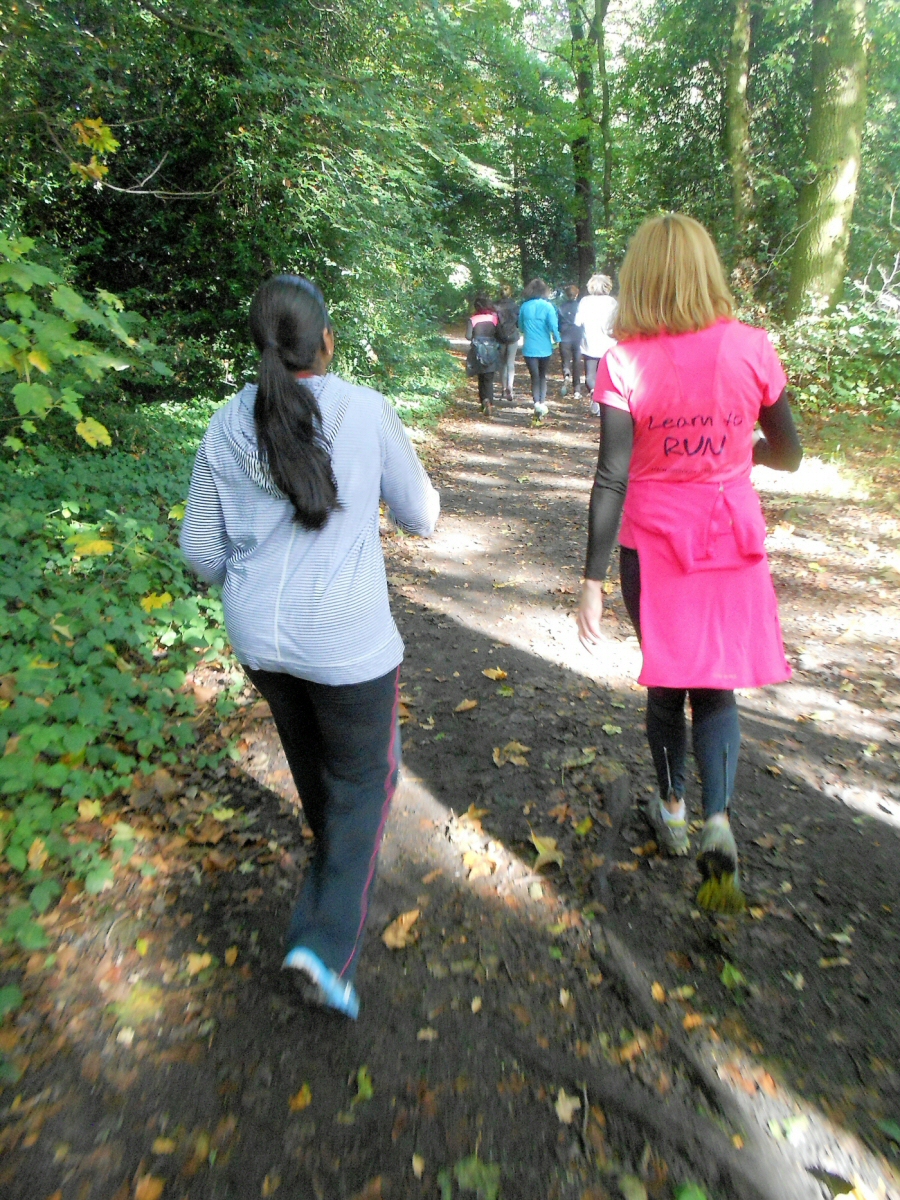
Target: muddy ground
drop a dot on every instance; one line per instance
(578, 1030)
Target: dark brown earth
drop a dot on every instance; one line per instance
(581, 1031)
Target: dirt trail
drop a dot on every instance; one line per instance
(576, 1031)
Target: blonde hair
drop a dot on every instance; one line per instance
(599, 285)
(671, 281)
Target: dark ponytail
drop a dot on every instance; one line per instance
(288, 318)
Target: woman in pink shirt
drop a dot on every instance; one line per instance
(680, 396)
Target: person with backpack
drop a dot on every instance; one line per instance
(540, 326)
(283, 512)
(508, 336)
(483, 358)
(570, 333)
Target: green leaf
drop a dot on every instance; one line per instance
(43, 895)
(483, 1178)
(10, 999)
(689, 1191)
(31, 936)
(891, 1128)
(98, 879)
(32, 398)
(365, 1089)
(731, 977)
(161, 368)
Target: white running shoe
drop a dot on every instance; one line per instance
(541, 410)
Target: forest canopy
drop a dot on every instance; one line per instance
(173, 155)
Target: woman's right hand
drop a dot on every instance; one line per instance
(589, 613)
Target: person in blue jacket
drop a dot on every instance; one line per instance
(540, 327)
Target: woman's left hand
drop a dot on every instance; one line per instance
(589, 613)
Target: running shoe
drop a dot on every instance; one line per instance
(595, 409)
(718, 863)
(671, 836)
(577, 394)
(320, 985)
(541, 410)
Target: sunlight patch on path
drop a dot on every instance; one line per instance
(816, 477)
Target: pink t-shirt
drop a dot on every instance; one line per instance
(695, 399)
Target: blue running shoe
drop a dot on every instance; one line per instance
(320, 985)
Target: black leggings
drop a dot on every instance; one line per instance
(486, 388)
(537, 369)
(714, 720)
(570, 358)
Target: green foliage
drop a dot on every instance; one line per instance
(471, 1175)
(46, 362)
(689, 1191)
(847, 360)
(100, 624)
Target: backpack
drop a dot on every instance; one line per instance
(507, 326)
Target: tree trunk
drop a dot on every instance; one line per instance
(833, 148)
(737, 72)
(518, 218)
(582, 153)
(599, 38)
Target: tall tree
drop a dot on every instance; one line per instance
(598, 35)
(833, 149)
(582, 149)
(737, 73)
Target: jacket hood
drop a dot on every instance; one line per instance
(239, 427)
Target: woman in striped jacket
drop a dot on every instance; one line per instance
(283, 511)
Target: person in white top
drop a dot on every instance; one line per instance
(596, 313)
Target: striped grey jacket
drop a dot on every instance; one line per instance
(308, 603)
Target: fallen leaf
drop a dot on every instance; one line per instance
(495, 673)
(686, 992)
(476, 1004)
(512, 752)
(658, 992)
(231, 956)
(632, 1188)
(427, 1035)
(37, 854)
(270, 1184)
(472, 817)
(466, 706)
(164, 1145)
(149, 1187)
(365, 1089)
(547, 852)
(89, 810)
(301, 1100)
(583, 828)
(584, 759)
(646, 850)
(628, 866)
(400, 934)
(432, 876)
(692, 1020)
(566, 1107)
(827, 963)
(198, 962)
(418, 1165)
(612, 730)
